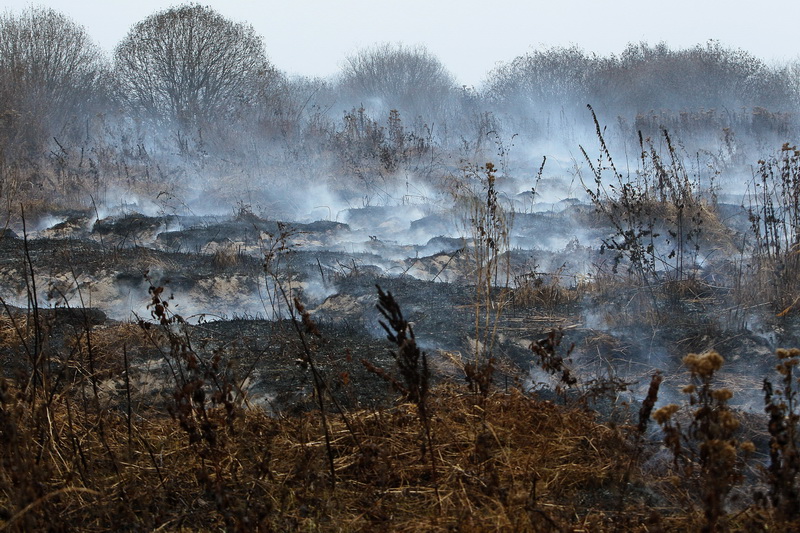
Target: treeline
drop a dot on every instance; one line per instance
(188, 88)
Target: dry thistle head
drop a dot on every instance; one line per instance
(728, 422)
(788, 359)
(704, 364)
(748, 447)
(722, 450)
(722, 395)
(784, 353)
(663, 415)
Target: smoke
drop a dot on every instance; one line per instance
(385, 179)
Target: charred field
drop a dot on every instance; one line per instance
(234, 372)
(233, 299)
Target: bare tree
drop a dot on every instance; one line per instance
(792, 72)
(543, 80)
(191, 65)
(50, 72)
(388, 76)
(655, 77)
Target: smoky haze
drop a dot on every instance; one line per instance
(392, 126)
(191, 119)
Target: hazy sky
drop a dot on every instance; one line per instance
(312, 37)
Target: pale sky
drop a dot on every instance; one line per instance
(312, 37)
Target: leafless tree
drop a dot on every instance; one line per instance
(50, 73)
(192, 65)
(792, 71)
(409, 79)
(656, 77)
(543, 79)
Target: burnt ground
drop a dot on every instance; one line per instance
(224, 276)
(130, 313)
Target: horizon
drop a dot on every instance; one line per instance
(312, 38)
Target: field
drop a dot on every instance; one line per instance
(235, 373)
(386, 302)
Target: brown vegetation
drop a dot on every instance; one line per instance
(441, 458)
(151, 424)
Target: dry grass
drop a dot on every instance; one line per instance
(266, 473)
(81, 448)
(523, 465)
(545, 291)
